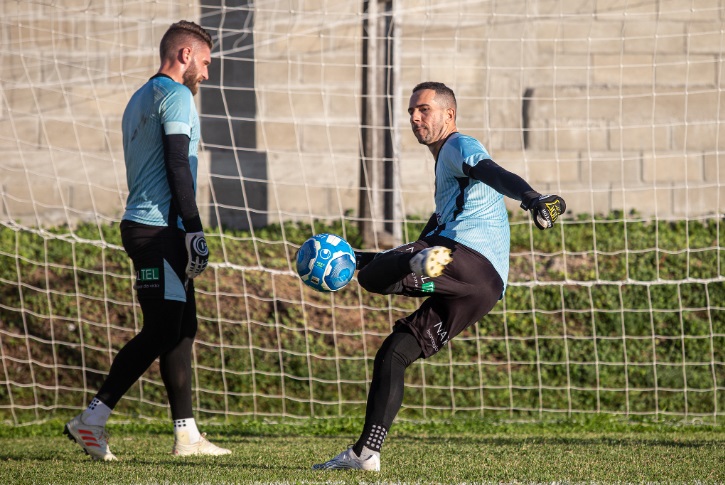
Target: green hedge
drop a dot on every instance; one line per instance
(612, 314)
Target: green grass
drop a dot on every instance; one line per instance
(454, 451)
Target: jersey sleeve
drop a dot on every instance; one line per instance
(175, 111)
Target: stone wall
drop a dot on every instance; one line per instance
(616, 105)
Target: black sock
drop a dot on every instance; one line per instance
(372, 438)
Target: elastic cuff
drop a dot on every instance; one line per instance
(527, 198)
(193, 224)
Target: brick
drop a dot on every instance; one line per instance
(692, 11)
(588, 37)
(578, 135)
(276, 136)
(274, 72)
(22, 68)
(307, 103)
(704, 105)
(624, 69)
(43, 34)
(686, 70)
(92, 103)
(553, 171)
(69, 135)
(18, 199)
(93, 200)
(21, 100)
(693, 201)
(579, 199)
(314, 137)
(673, 167)
(344, 138)
(19, 132)
(647, 36)
(705, 37)
(138, 67)
(698, 136)
(274, 105)
(304, 201)
(345, 105)
(636, 137)
(538, 135)
(606, 9)
(332, 72)
(714, 168)
(646, 201)
(619, 169)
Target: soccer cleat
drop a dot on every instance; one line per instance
(431, 261)
(348, 460)
(93, 439)
(201, 447)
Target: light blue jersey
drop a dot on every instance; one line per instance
(160, 106)
(469, 211)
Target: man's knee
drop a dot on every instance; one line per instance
(401, 348)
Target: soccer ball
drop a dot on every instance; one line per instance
(326, 262)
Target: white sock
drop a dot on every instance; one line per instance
(187, 426)
(367, 452)
(97, 413)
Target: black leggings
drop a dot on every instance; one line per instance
(161, 337)
(398, 351)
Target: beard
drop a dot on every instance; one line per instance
(423, 136)
(192, 79)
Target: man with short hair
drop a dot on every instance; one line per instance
(163, 235)
(459, 263)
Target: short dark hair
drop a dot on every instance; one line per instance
(183, 31)
(443, 92)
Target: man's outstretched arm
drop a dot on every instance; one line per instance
(545, 209)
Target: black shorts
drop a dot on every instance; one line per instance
(159, 259)
(467, 290)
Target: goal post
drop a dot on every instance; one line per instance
(616, 106)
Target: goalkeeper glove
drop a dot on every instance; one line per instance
(545, 209)
(198, 253)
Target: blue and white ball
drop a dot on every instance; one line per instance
(326, 262)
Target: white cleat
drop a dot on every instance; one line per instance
(201, 447)
(348, 460)
(431, 261)
(93, 439)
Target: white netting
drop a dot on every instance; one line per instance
(616, 105)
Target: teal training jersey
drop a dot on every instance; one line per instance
(469, 211)
(160, 106)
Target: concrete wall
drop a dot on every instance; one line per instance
(616, 105)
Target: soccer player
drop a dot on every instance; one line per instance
(163, 235)
(460, 262)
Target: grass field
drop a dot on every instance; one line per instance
(457, 451)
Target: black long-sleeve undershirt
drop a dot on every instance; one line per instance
(181, 182)
(498, 178)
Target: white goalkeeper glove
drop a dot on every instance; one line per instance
(198, 254)
(545, 209)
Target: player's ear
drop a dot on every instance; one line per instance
(451, 112)
(185, 55)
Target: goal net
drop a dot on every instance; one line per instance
(616, 105)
